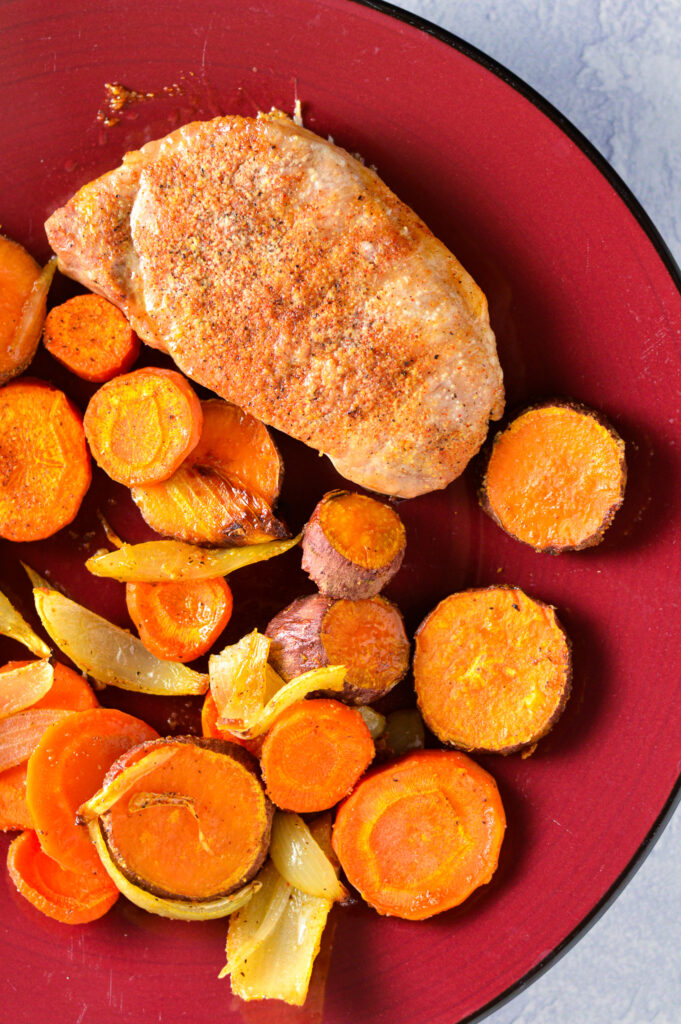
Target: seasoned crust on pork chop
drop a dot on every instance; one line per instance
(283, 274)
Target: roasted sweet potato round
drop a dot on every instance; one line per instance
(555, 478)
(491, 670)
(352, 545)
(194, 827)
(367, 636)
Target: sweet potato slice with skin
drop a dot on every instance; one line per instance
(352, 545)
(196, 826)
(224, 491)
(492, 670)
(367, 636)
(556, 477)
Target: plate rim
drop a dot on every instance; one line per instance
(646, 223)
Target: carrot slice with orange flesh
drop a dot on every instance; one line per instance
(224, 491)
(23, 297)
(91, 338)
(491, 669)
(67, 896)
(66, 768)
(14, 812)
(70, 692)
(44, 461)
(179, 620)
(418, 836)
(241, 446)
(556, 477)
(314, 754)
(196, 826)
(142, 425)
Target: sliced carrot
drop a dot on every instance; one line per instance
(14, 812)
(66, 768)
(196, 826)
(556, 477)
(142, 425)
(211, 730)
(179, 620)
(491, 669)
(418, 836)
(224, 491)
(240, 445)
(67, 896)
(44, 461)
(69, 691)
(91, 338)
(314, 754)
(23, 296)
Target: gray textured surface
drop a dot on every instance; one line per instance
(613, 67)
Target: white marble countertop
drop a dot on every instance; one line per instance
(613, 67)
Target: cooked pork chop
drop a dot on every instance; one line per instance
(284, 275)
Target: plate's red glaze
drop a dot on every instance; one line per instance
(583, 307)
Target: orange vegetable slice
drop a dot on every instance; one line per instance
(23, 297)
(44, 461)
(66, 768)
(142, 425)
(224, 491)
(314, 754)
(70, 897)
(180, 620)
(556, 477)
(491, 669)
(69, 691)
(420, 835)
(196, 826)
(91, 338)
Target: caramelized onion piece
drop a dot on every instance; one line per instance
(300, 860)
(110, 654)
(331, 677)
(156, 561)
(179, 910)
(279, 965)
(23, 686)
(13, 625)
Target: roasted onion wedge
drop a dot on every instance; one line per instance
(109, 654)
(156, 561)
(179, 910)
(13, 625)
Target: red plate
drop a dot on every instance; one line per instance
(585, 301)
